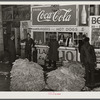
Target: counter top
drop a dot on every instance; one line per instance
(42, 46)
(72, 48)
(61, 47)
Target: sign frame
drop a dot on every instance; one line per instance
(95, 25)
(53, 25)
(7, 11)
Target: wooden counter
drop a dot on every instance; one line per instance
(65, 53)
(68, 54)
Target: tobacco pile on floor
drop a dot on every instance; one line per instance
(26, 76)
(69, 77)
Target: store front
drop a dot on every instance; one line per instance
(58, 21)
(12, 15)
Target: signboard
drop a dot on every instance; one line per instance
(67, 55)
(95, 36)
(83, 15)
(41, 56)
(95, 21)
(64, 15)
(95, 30)
(7, 14)
(22, 12)
(61, 29)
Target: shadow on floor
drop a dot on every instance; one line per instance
(4, 79)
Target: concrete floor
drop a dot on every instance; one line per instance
(4, 81)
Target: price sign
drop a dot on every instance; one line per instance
(67, 55)
(41, 56)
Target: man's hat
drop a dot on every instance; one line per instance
(29, 34)
(53, 37)
(86, 39)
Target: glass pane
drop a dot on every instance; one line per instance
(65, 38)
(49, 35)
(38, 37)
(95, 38)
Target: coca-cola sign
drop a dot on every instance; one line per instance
(65, 15)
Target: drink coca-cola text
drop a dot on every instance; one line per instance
(60, 15)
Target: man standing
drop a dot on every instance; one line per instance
(29, 43)
(88, 59)
(53, 54)
(11, 49)
(69, 40)
(81, 42)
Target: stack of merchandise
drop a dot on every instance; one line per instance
(26, 76)
(69, 77)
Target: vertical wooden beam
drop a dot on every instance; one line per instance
(1, 33)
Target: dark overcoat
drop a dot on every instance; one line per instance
(87, 54)
(88, 59)
(11, 50)
(53, 53)
(28, 45)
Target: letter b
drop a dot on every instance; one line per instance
(93, 20)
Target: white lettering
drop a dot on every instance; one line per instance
(60, 15)
(42, 16)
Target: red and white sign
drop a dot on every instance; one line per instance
(65, 15)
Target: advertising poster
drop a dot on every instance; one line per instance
(7, 14)
(95, 36)
(64, 15)
(22, 13)
(83, 15)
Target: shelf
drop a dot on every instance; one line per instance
(77, 39)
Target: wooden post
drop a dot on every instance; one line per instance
(1, 33)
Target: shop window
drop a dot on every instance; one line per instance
(38, 37)
(65, 38)
(77, 38)
(49, 35)
(95, 37)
